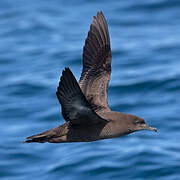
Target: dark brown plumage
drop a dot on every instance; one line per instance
(84, 105)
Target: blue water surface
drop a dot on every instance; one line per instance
(38, 38)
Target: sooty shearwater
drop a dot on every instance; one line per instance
(84, 104)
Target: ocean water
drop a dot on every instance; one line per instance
(39, 38)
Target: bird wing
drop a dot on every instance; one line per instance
(75, 107)
(96, 64)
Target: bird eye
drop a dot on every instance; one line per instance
(138, 121)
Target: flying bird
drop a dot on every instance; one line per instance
(84, 105)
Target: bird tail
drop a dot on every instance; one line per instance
(40, 138)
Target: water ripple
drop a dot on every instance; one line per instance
(38, 39)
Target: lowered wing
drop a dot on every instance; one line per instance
(75, 107)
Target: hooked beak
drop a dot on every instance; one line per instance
(146, 127)
(150, 128)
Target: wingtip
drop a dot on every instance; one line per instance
(99, 12)
(66, 68)
(63, 72)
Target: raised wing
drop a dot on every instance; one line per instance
(75, 107)
(96, 64)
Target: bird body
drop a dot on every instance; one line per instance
(69, 133)
(84, 105)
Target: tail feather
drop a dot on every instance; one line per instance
(36, 138)
(40, 138)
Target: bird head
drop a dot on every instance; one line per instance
(138, 123)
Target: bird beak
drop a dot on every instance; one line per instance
(150, 128)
